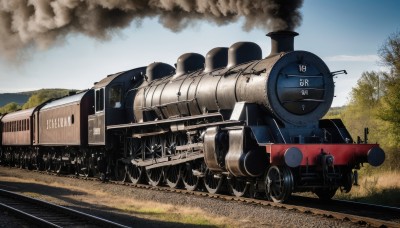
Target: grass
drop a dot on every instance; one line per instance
(378, 188)
(167, 212)
(139, 208)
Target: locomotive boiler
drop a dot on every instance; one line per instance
(230, 121)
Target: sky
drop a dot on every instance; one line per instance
(345, 34)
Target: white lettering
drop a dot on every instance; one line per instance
(302, 68)
(58, 122)
(96, 131)
(304, 82)
(304, 92)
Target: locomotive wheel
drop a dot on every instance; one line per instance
(82, 167)
(154, 176)
(47, 166)
(92, 167)
(173, 176)
(48, 163)
(57, 164)
(28, 161)
(39, 164)
(24, 161)
(279, 183)
(119, 171)
(213, 184)
(134, 173)
(347, 181)
(238, 187)
(84, 170)
(18, 161)
(325, 194)
(58, 167)
(190, 181)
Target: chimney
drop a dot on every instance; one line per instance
(282, 41)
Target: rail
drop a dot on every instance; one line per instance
(46, 214)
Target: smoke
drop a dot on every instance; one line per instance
(41, 24)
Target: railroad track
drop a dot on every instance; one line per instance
(45, 214)
(358, 213)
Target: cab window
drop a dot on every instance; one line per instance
(115, 97)
(99, 100)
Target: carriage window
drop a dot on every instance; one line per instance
(99, 100)
(115, 97)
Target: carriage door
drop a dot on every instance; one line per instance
(97, 121)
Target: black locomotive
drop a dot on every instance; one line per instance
(231, 121)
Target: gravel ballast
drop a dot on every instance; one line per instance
(120, 204)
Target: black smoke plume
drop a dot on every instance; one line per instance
(43, 23)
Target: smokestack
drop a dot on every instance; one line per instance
(282, 41)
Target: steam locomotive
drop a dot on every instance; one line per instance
(231, 121)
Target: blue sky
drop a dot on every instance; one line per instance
(346, 34)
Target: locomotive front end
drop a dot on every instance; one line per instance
(300, 86)
(309, 153)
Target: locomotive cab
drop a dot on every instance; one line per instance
(111, 103)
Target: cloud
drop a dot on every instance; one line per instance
(352, 58)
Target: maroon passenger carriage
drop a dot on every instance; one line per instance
(16, 137)
(61, 137)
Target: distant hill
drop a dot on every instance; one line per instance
(19, 98)
(22, 97)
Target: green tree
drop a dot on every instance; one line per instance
(390, 56)
(390, 110)
(390, 53)
(10, 107)
(365, 103)
(368, 91)
(43, 95)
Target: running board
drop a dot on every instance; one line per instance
(167, 161)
